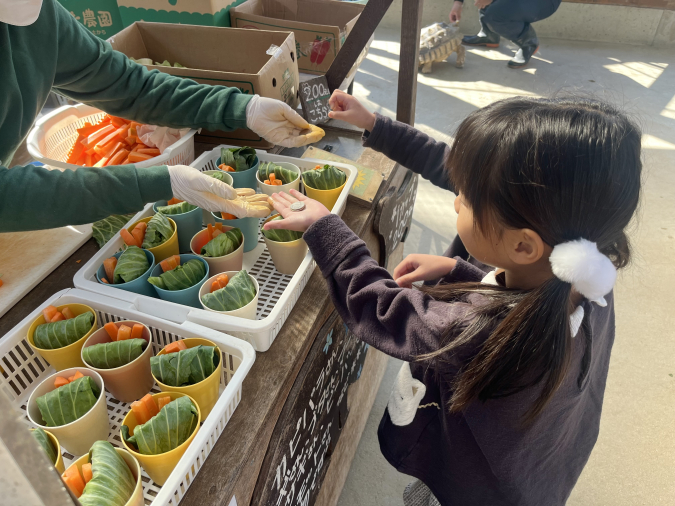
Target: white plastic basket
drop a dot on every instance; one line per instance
(22, 370)
(53, 135)
(278, 292)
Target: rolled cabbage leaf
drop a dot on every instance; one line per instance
(130, 265)
(43, 440)
(238, 292)
(112, 482)
(182, 277)
(281, 235)
(103, 230)
(158, 232)
(223, 244)
(281, 173)
(51, 336)
(220, 175)
(239, 159)
(114, 354)
(167, 430)
(185, 367)
(69, 402)
(180, 208)
(326, 178)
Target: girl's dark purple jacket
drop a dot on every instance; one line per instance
(483, 456)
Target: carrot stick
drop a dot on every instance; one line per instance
(137, 331)
(140, 409)
(67, 313)
(149, 151)
(60, 381)
(128, 238)
(219, 226)
(109, 265)
(139, 232)
(58, 317)
(210, 229)
(111, 329)
(119, 122)
(118, 157)
(151, 404)
(94, 138)
(86, 472)
(74, 481)
(75, 376)
(76, 151)
(123, 333)
(135, 156)
(49, 313)
(163, 401)
(215, 286)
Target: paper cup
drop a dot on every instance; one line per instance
(57, 448)
(78, 436)
(159, 467)
(248, 227)
(248, 311)
(166, 249)
(136, 498)
(327, 197)
(140, 284)
(287, 256)
(187, 225)
(245, 178)
(131, 381)
(232, 262)
(205, 393)
(271, 189)
(68, 356)
(207, 217)
(187, 296)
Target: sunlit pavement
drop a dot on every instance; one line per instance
(634, 460)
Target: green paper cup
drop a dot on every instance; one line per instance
(248, 227)
(245, 178)
(139, 285)
(187, 225)
(187, 296)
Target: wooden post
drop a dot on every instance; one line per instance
(411, 24)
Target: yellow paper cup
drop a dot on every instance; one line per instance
(78, 436)
(327, 197)
(248, 311)
(168, 248)
(159, 467)
(205, 393)
(57, 447)
(68, 356)
(136, 498)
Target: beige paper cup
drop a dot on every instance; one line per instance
(248, 311)
(205, 393)
(129, 382)
(160, 466)
(136, 498)
(272, 189)
(217, 265)
(287, 256)
(78, 436)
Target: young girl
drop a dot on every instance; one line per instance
(500, 402)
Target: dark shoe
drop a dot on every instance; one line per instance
(481, 40)
(522, 57)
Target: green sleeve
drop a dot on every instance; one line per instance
(88, 70)
(34, 198)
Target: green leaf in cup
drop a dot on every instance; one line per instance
(51, 336)
(281, 235)
(223, 244)
(239, 292)
(180, 208)
(68, 403)
(112, 483)
(328, 177)
(131, 265)
(186, 367)
(114, 354)
(184, 276)
(43, 440)
(158, 232)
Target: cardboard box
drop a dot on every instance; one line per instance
(186, 12)
(320, 26)
(100, 17)
(220, 56)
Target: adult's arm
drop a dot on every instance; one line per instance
(88, 70)
(34, 198)
(401, 322)
(411, 148)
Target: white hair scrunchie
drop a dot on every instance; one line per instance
(581, 264)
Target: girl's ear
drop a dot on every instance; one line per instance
(524, 246)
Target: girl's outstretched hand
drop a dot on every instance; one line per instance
(298, 221)
(422, 268)
(347, 108)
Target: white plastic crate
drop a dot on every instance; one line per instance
(53, 135)
(22, 370)
(278, 292)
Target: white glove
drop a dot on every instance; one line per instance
(278, 123)
(188, 184)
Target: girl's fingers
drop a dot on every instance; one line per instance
(288, 198)
(298, 195)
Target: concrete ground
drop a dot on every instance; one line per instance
(633, 462)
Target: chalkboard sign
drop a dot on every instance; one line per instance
(314, 96)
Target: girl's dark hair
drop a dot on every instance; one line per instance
(567, 168)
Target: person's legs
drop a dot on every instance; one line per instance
(485, 38)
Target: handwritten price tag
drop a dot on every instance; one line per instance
(314, 96)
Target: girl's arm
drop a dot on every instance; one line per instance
(88, 70)
(401, 322)
(411, 148)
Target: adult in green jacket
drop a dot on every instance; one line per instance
(43, 48)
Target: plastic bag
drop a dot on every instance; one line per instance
(160, 137)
